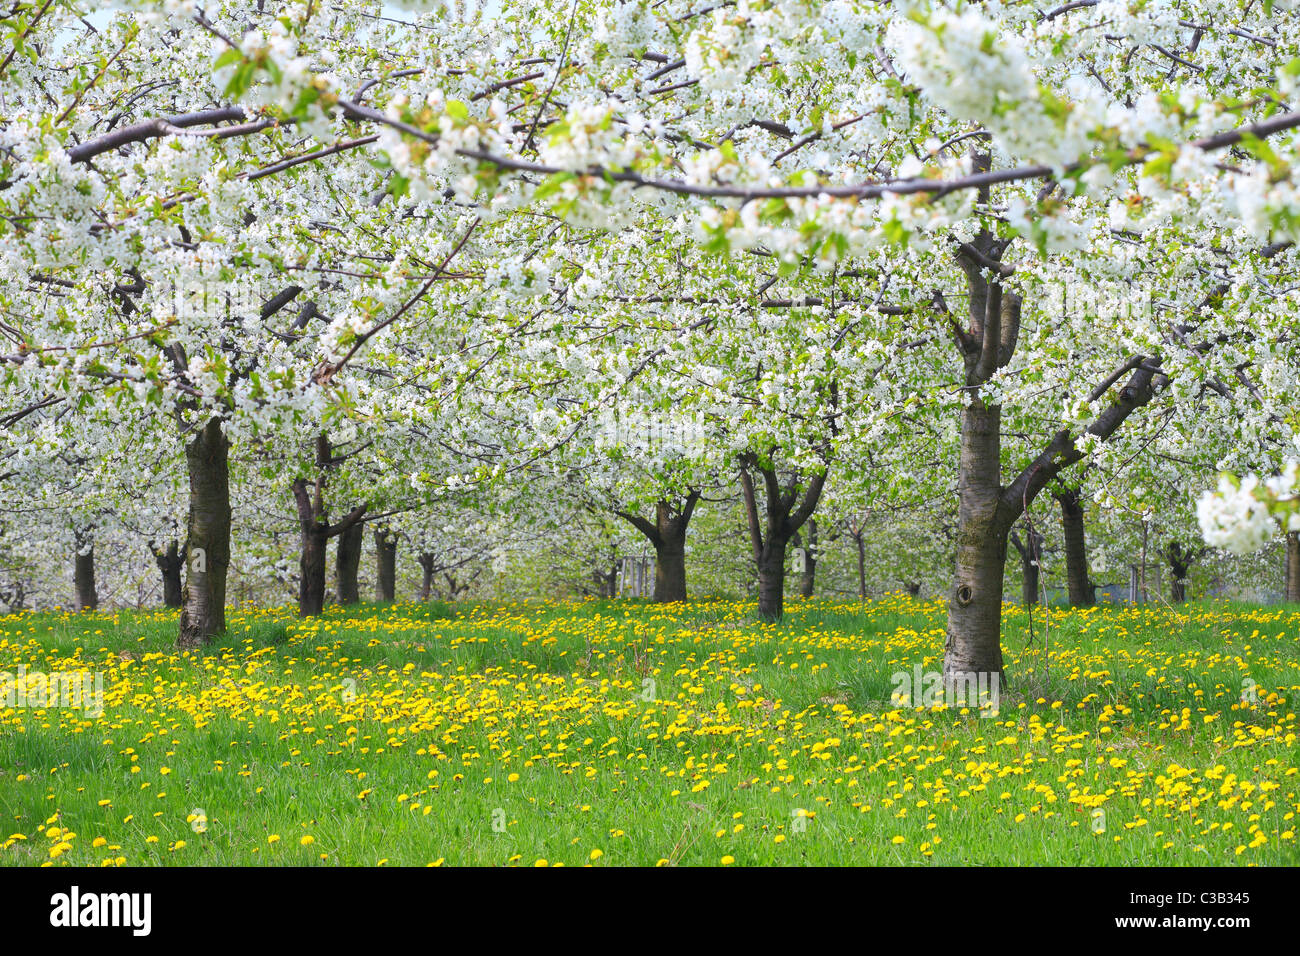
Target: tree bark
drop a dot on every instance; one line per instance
(83, 571)
(785, 513)
(207, 544)
(316, 530)
(1030, 551)
(670, 571)
(347, 563)
(385, 565)
(1083, 593)
(311, 571)
(667, 534)
(1180, 561)
(170, 563)
(427, 566)
(986, 510)
(973, 649)
(771, 579)
(1293, 567)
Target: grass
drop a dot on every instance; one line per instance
(631, 733)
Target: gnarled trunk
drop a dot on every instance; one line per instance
(83, 572)
(347, 563)
(787, 510)
(385, 565)
(1083, 593)
(986, 511)
(170, 562)
(1180, 561)
(667, 534)
(207, 544)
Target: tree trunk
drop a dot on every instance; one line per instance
(83, 572)
(860, 540)
(386, 565)
(771, 579)
(1293, 567)
(316, 530)
(1083, 592)
(1029, 581)
(170, 563)
(670, 549)
(973, 649)
(667, 533)
(347, 562)
(311, 570)
(207, 545)
(1180, 561)
(808, 579)
(1030, 551)
(786, 511)
(670, 569)
(426, 560)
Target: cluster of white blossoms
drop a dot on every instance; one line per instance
(1244, 515)
(764, 138)
(1269, 205)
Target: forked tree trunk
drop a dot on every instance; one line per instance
(347, 563)
(170, 563)
(1083, 593)
(667, 534)
(1180, 561)
(385, 565)
(83, 572)
(427, 566)
(973, 649)
(785, 513)
(986, 511)
(207, 545)
(1293, 567)
(315, 531)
